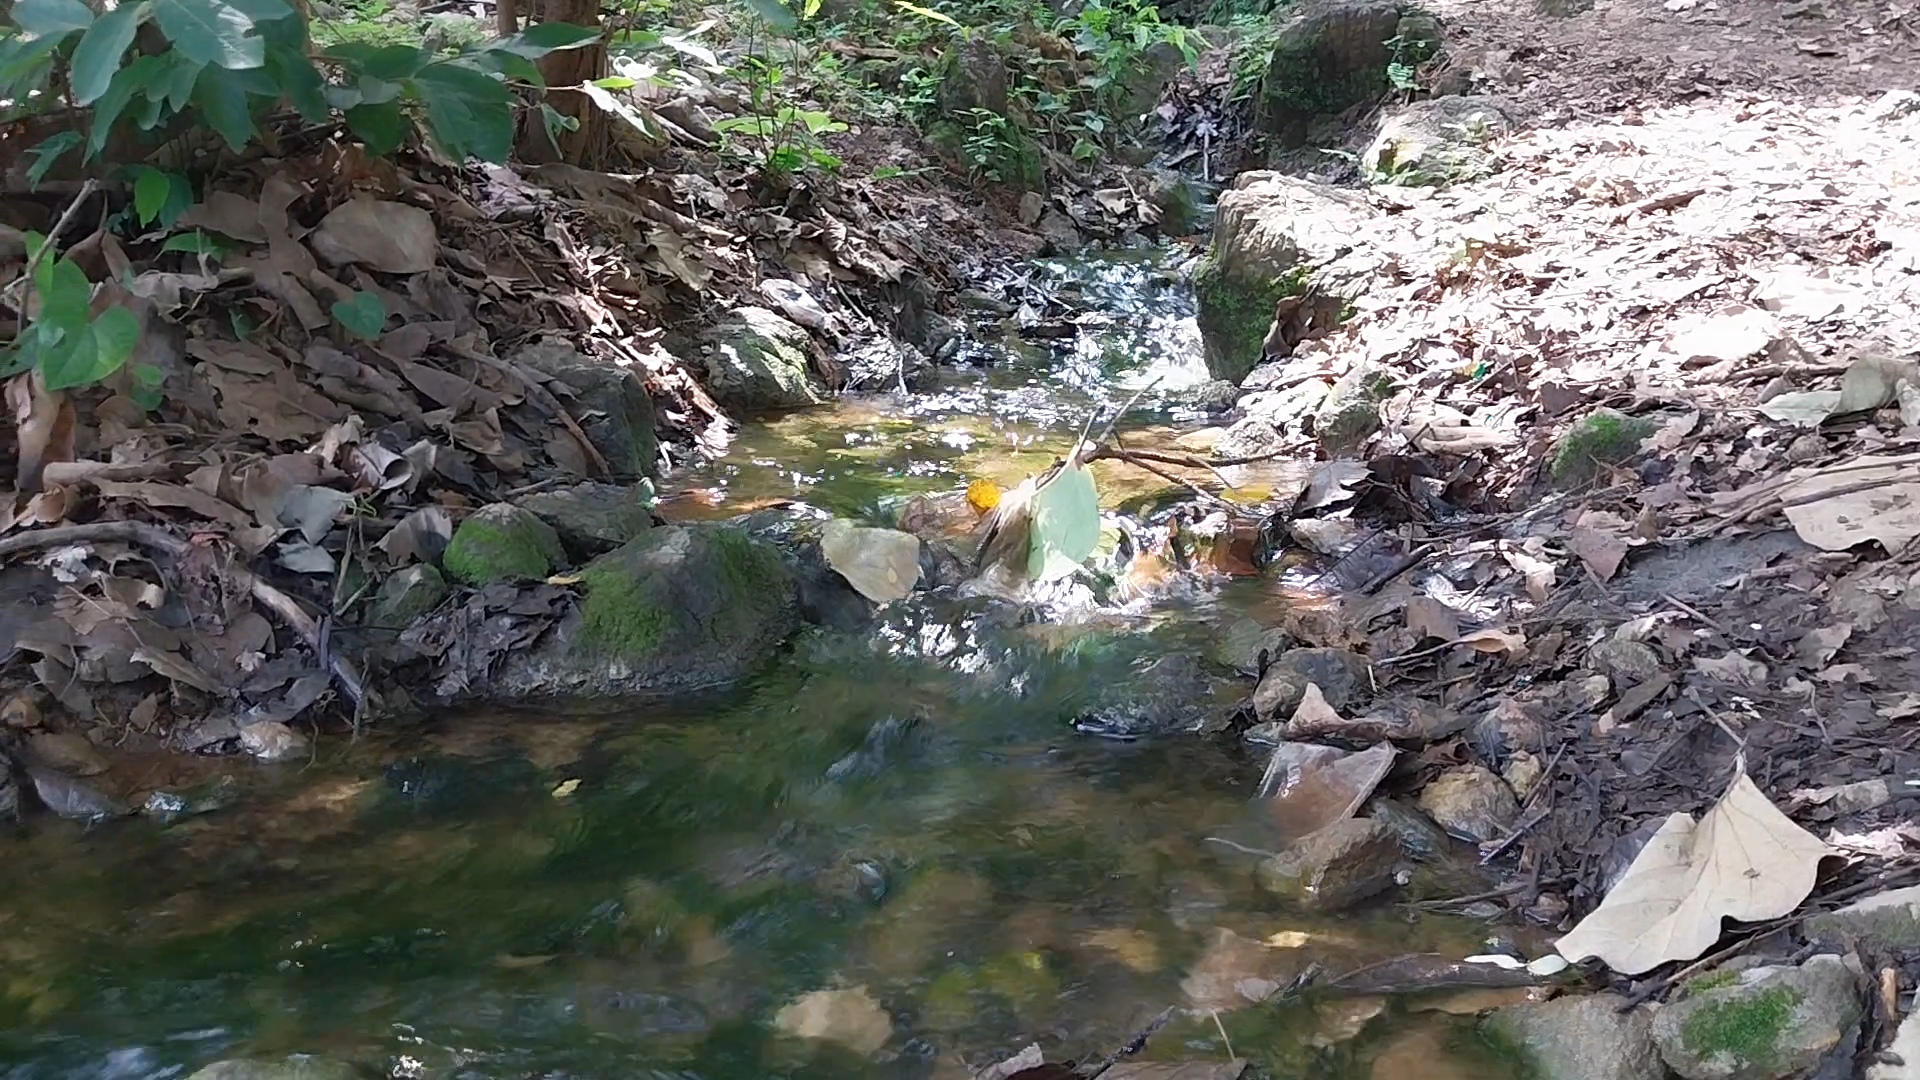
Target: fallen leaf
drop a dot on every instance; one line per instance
(391, 237)
(1309, 786)
(177, 495)
(883, 565)
(1331, 482)
(1430, 618)
(1735, 332)
(44, 422)
(421, 536)
(850, 1017)
(1539, 572)
(1494, 641)
(1735, 668)
(1744, 860)
(1066, 524)
(1819, 647)
(1599, 547)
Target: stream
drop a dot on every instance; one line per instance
(633, 892)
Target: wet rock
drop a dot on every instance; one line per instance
(887, 742)
(1350, 413)
(1272, 420)
(1336, 867)
(679, 609)
(1580, 1038)
(1270, 234)
(503, 543)
(884, 364)
(1059, 231)
(68, 752)
(1213, 397)
(1889, 920)
(1329, 55)
(1767, 1023)
(1420, 838)
(1344, 677)
(1601, 438)
(609, 402)
(1472, 803)
(1632, 661)
(22, 710)
(1173, 198)
(756, 359)
(1240, 644)
(170, 806)
(271, 740)
(592, 519)
(406, 594)
(296, 1067)
(71, 797)
(1438, 142)
(1171, 695)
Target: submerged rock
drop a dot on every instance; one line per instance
(296, 1067)
(681, 608)
(72, 797)
(886, 743)
(756, 359)
(1344, 677)
(271, 740)
(609, 402)
(1172, 695)
(503, 543)
(1336, 867)
(1764, 1023)
(1580, 1038)
(592, 519)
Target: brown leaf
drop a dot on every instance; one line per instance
(175, 667)
(1429, 618)
(1494, 641)
(44, 422)
(228, 214)
(1735, 668)
(1820, 646)
(149, 493)
(419, 537)
(391, 237)
(1600, 550)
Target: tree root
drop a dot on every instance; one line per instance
(285, 607)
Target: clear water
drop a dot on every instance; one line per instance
(637, 892)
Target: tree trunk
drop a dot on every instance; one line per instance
(586, 145)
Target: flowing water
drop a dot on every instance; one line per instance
(638, 893)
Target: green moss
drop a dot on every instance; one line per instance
(1712, 981)
(750, 567)
(1235, 315)
(1298, 84)
(1603, 437)
(620, 617)
(1746, 1028)
(503, 543)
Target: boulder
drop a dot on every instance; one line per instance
(1438, 142)
(1174, 200)
(1888, 920)
(1472, 803)
(609, 402)
(1585, 1037)
(503, 543)
(1764, 1023)
(592, 519)
(1336, 867)
(1343, 676)
(975, 77)
(1350, 413)
(1170, 695)
(1271, 233)
(1271, 419)
(296, 1067)
(1329, 55)
(756, 359)
(681, 608)
(407, 594)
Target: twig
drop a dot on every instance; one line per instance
(1672, 200)
(1703, 619)
(1120, 454)
(53, 237)
(152, 536)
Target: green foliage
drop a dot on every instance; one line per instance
(780, 136)
(364, 315)
(998, 150)
(1602, 437)
(68, 343)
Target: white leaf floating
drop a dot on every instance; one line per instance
(1744, 860)
(1066, 524)
(882, 565)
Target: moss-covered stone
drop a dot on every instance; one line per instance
(1331, 54)
(618, 617)
(1745, 1029)
(503, 543)
(1768, 1023)
(1438, 142)
(1602, 437)
(1235, 313)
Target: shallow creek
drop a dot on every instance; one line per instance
(636, 893)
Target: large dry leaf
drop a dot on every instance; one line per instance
(850, 1017)
(44, 422)
(1744, 860)
(387, 236)
(1873, 497)
(883, 565)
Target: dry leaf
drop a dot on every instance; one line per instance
(44, 423)
(850, 1017)
(1538, 572)
(1429, 618)
(1744, 860)
(1309, 786)
(883, 565)
(1735, 668)
(1735, 332)
(419, 537)
(1494, 641)
(1820, 646)
(391, 237)
(1599, 547)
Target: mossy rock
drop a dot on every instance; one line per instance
(1235, 313)
(1330, 55)
(1602, 437)
(503, 543)
(1767, 1023)
(1438, 143)
(681, 608)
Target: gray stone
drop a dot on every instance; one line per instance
(1343, 676)
(681, 608)
(1174, 199)
(1634, 662)
(407, 594)
(1272, 420)
(1336, 867)
(1350, 413)
(296, 1067)
(271, 740)
(1420, 838)
(1438, 142)
(1902, 1058)
(609, 402)
(593, 519)
(1272, 237)
(1329, 55)
(1059, 231)
(756, 359)
(1170, 695)
(1769, 1023)
(502, 542)
(1889, 920)
(1580, 1038)
(975, 78)
(1239, 643)
(1471, 802)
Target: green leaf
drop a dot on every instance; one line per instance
(363, 316)
(774, 13)
(621, 109)
(556, 122)
(290, 69)
(65, 294)
(615, 82)
(469, 113)
(95, 353)
(225, 106)
(389, 63)
(1066, 524)
(542, 38)
(195, 243)
(178, 81)
(51, 18)
(101, 49)
(147, 382)
(928, 13)
(49, 152)
(128, 82)
(217, 32)
(150, 189)
(381, 127)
